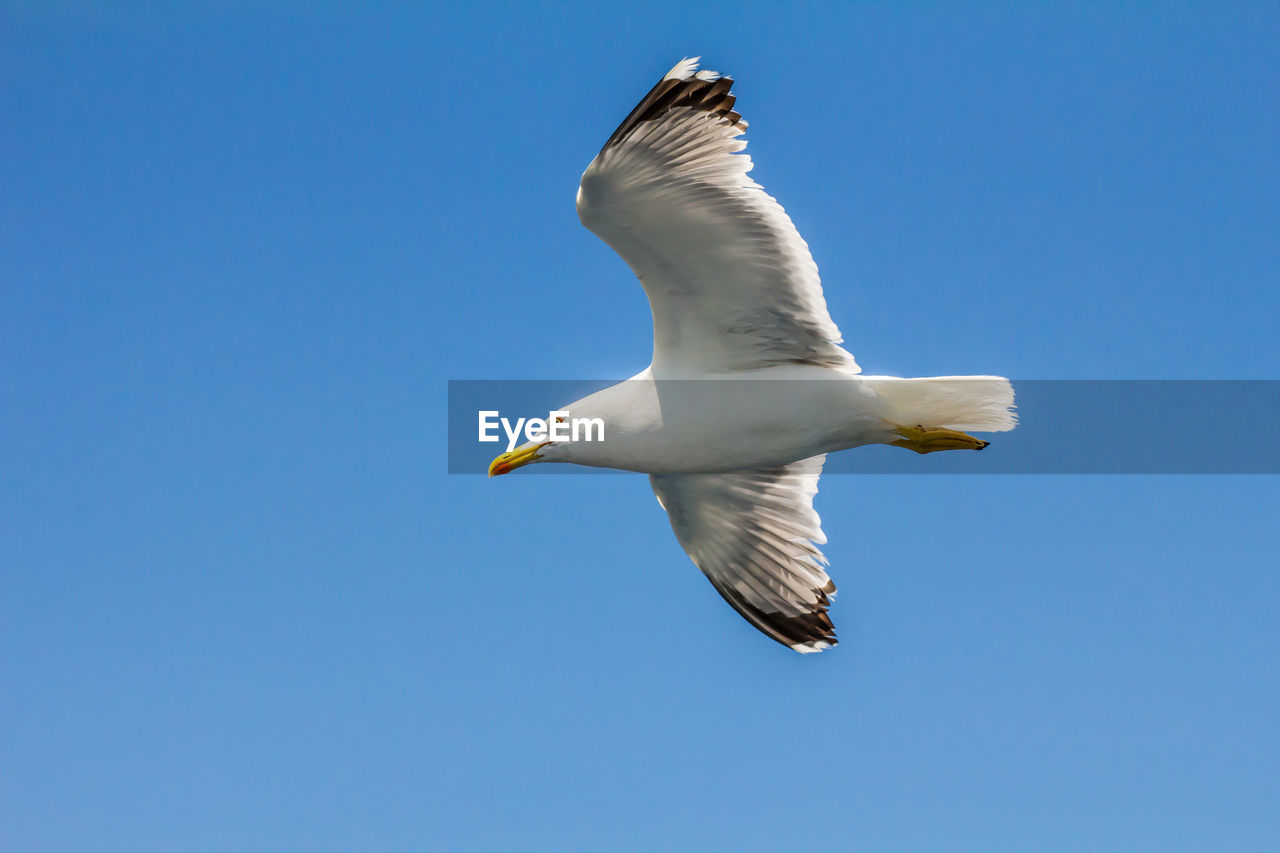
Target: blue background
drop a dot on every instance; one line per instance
(243, 607)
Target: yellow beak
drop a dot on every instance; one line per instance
(522, 455)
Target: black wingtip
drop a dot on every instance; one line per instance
(695, 93)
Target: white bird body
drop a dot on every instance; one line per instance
(768, 417)
(749, 386)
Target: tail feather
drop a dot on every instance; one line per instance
(978, 403)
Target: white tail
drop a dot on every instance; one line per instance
(979, 403)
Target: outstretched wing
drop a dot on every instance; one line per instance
(755, 535)
(731, 283)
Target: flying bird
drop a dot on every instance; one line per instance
(749, 387)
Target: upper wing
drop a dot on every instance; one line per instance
(731, 283)
(754, 534)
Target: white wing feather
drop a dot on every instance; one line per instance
(731, 284)
(755, 535)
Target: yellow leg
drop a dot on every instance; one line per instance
(928, 439)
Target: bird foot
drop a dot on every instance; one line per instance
(928, 439)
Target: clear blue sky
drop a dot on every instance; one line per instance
(243, 608)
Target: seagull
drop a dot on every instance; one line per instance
(749, 387)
